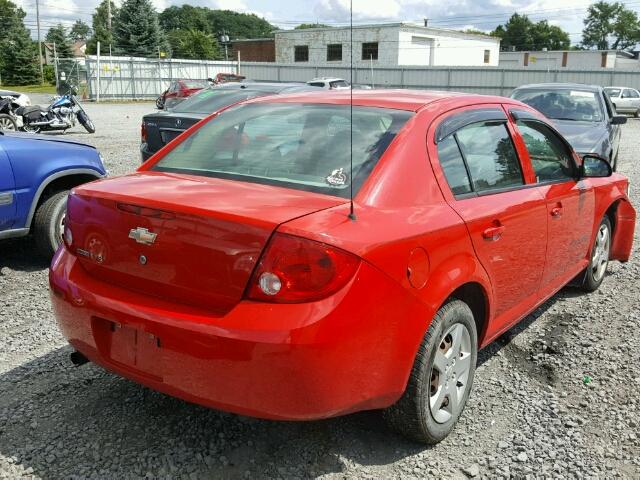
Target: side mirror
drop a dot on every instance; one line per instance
(594, 166)
(618, 120)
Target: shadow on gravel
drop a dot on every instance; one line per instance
(63, 421)
(20, 254)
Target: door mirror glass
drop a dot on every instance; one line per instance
(618, 120)
(594, 166)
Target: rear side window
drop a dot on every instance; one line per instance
(480, 158)
(213, 99)
(550, 158)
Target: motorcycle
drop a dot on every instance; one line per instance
(60, 115)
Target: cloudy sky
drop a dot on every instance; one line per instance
(480, 14)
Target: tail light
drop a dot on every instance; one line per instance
(143, 133)
(295, 270)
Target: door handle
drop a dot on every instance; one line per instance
(494, 233)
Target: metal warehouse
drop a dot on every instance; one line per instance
(386, 45)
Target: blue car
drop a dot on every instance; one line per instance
(36, 174)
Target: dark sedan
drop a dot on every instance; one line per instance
(159, 128)
(582, 113)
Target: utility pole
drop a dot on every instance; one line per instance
(109, 24)
(39, 44)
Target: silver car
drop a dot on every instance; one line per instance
(624, 99)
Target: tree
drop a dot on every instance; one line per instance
(304, 26)
(520, 33)
(58, 36)
(101, 31)
(239, 25)
(193, 44)
(607, 21)
(136, 30)
(19, 60)
(79, 31)
(185, 17)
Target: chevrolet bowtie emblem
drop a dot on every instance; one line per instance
(142, 235)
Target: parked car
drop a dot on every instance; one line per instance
(178, 91)
(20, 99)
(36, 174)
(625, 100)
(160, 128)
(229, 270)
(221, 78)
(330, 83)
(582, 113)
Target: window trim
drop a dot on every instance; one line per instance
(524, 115)
(457, 121)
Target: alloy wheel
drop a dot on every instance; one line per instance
(450, 373)
(7, 125)
(600, 257)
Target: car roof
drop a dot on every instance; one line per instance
(560, 86)
(411, 100)
(275, 87)
(326, 79)
(608, 88)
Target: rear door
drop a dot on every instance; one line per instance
(485, 184)
(570, 202)
(632, 97)
(7, 192)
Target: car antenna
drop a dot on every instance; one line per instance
(352, 213)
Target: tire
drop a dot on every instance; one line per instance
(86, 122)
(614, 162)
(636, 114)
(594, 274)
(413, 415)
(48, 224)
(27, 128)
(159, 103)
(7, 123)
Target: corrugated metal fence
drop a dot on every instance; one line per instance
(138, 78)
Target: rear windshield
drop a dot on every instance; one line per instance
(563, 104)
(213, 99)
(306, 147)
(195, 83)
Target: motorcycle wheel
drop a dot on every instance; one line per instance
(7, 123)
(86, 122)
(29, 129)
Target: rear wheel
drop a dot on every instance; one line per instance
(637, 113)
(441, 378)
(595, 272)
(7, 123)
(48, 224)
(29, 129)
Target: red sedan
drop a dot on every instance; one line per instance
(228, 270)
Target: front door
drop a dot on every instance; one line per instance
(507, 220)
(570, 203)
(7, 193)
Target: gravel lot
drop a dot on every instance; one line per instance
(530, 413)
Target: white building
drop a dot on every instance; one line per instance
(569, 60)
(386, 45)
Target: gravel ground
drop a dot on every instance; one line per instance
(530, 414)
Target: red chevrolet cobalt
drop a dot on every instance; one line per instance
(228, 270)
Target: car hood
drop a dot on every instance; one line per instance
(584, 137)
(44, 138)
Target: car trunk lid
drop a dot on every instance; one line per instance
(180, 237)
(161, 128)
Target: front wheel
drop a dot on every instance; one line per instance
(48, 224)
(441, 377)
(595, 272)
(7, 123)
(86, 122)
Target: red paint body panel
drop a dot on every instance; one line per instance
(186, 328)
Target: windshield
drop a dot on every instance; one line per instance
(211, 100)
(306, 147)
(563, 104)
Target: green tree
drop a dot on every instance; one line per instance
(185, 17)
(79, 31)
(610, 21)
(101, 31)
(58, 36)
(136, 30)
(19, 59)
(304, 26)
(193, 44)
(239, 25)
(520, 33)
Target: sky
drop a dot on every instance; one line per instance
(483, 15)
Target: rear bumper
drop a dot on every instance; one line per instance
(352, 351)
